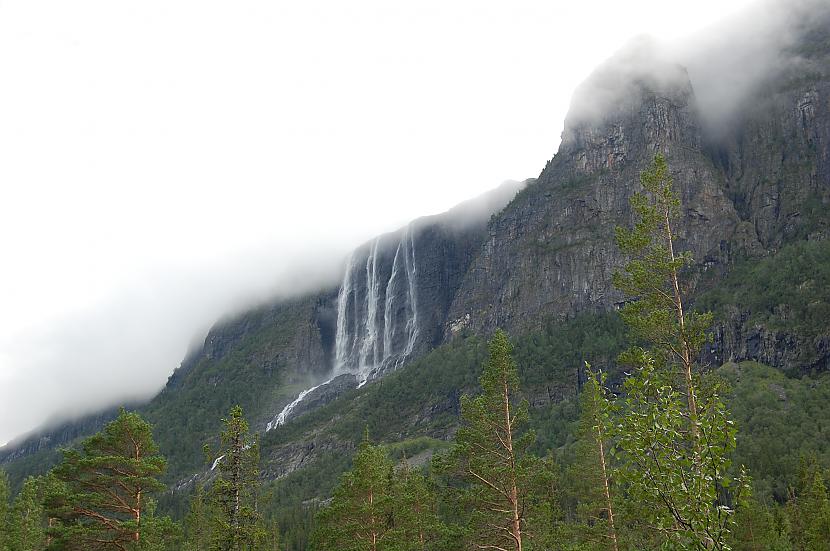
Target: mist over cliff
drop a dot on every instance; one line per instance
(741, 113)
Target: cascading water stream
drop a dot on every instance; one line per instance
(282, 416)
(369, 339)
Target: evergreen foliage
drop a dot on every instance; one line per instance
(589, 479)
(809, 509)
(5, 519)
(780, 419)
(361, 514)
(235, 521)
(417, 524)
(505, 490)
(787, 291)
(197, 523)
(105, 487)
(27, 529)
(759, 527)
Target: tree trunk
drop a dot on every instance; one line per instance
(612, 529)
(516, 521)
(686, 352)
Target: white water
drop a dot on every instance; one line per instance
(369, 353)
(368, 340)
(372, 341)
(343, 342)
(283, 415)
(217, 460)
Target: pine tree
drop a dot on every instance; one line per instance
(107, 483)
(197, 524)
(809, 509)
(360, 516)
(507, 490)
(5, 518)
(417, 526)
(674, 430)
(158, 533)
(591, 473)
(756, 528)
(236, 522)
(28, 529)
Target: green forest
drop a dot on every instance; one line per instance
(607, 431)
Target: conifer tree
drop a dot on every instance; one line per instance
(158, 533)
(236, 522)
(28, 525)
(674, 431)
(591, 473)
(197, 523)
(417, 526)
(106, 485)
(508, 491)
(809, 509)
(5, 519)
(360, 516)
(756, 528)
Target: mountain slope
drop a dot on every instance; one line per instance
(429, 294)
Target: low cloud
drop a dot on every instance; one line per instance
(727, 64)
(124, 348)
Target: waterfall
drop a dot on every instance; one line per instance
(388, 328)
(412, 317)
(286, 411)
(369, 353)
(377, 314)
(343, 340)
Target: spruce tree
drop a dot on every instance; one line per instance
(236, 522)
(675, 432)
(360, 515)
(756, 528)
(105, 487)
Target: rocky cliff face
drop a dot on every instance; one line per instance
(550, 252)
(765, 183)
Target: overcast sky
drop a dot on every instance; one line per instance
(164, 161)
